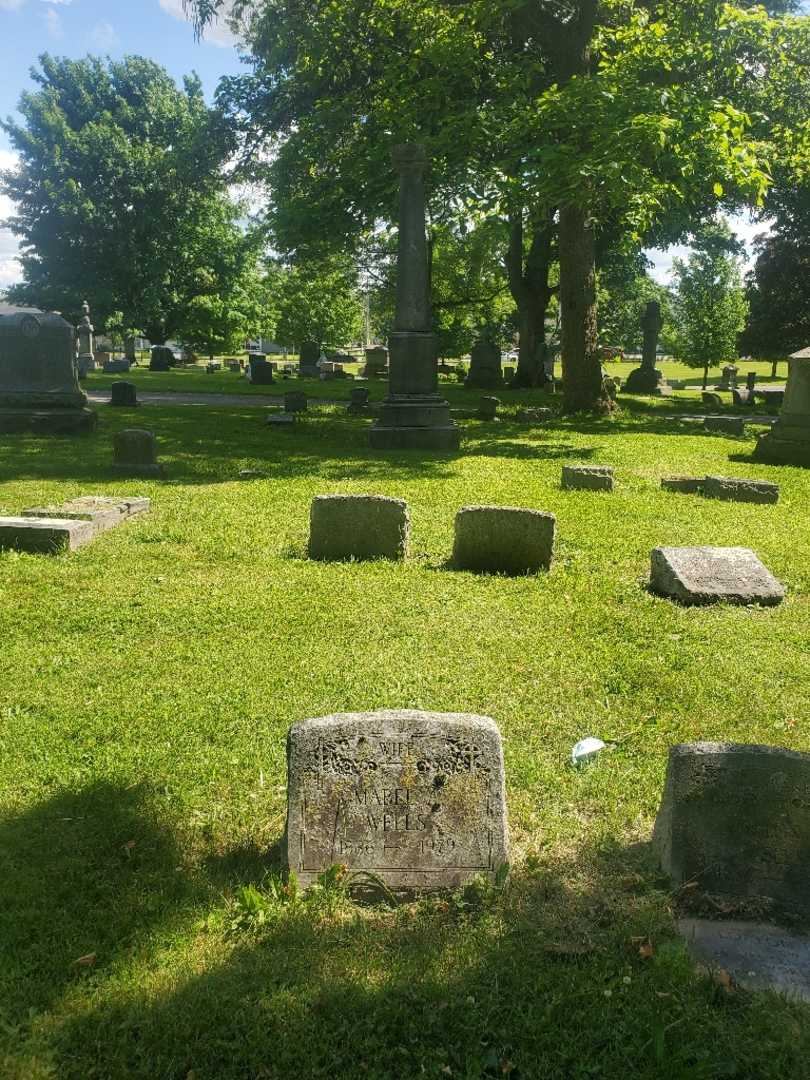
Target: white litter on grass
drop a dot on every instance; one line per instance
(586, 749)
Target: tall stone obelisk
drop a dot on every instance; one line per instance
(414, 415)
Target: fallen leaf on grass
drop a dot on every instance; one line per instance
(646, 950)
(724, 979)
(86, 961)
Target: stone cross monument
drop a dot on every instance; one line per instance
(413, 416)
(647, 379)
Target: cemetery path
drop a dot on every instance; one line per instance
(259, 400)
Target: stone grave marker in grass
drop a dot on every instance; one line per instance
(54, 529)
(358, 527)
(414, 800)
(135, 453)
(734, 489)
(503, 539)
(587, 477)
(295, 401)
(728, 425)
(708, 575)
(123, 394)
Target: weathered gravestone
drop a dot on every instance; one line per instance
(135, 453)
(295, 401)
(587, 477)
(485, 367)
(413, 415)
(735, 821)
(687, 485)
(123, 394)
(728, 377)
(376, 363)
(714, 401)
(488, 408)
(116, 367)
(709, 575)
(414, 798)
(86, 360)
(728, 425)
(647, 379)
(308, 360)
(503, 539)
(261, 373)
(53, 529)
(788, 441)
(358, 401)
(39, 387)
(734, 489)
(161, 358)
(358, 527)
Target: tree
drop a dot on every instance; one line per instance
(624, 290)
(710, 302)
(119, 191)
(592, 123)
(317, 301)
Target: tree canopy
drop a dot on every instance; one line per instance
(121, 196)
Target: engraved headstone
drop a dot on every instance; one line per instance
(123, 394)
(135, 453)
(485, 366)
(708, 575)
(376, 363)
(308, 360)
(735, 821)
(414, 798)
(39, 388)
(161, 358)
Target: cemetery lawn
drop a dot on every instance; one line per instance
(147, 683)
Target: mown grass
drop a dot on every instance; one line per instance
(147, 683)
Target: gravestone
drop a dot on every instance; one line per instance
(733, 489)
(788, 441)
(587, 477)
(308, 360)
(135, 453)
(161, 358)
(123, 394)
(286, 421)
(261, 373)
(358, 401)
(358, 527)
(534, 415)
(647, 379)
(39, 387)
(728, 425)
(741, 398)
(488, 408)
(503, 539)
(485, 367)
(115, 367)
(687, 485)
(735, 821)
(130, 353)
(416, 799)
(728, 377)
(413, 415)
(295, 401)
(376, 363)
(54, 529)
(508, 374)
(84, 332)
(708, 575)
(751, 381)
(714, 401)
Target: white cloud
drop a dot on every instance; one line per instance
(217, 33)
(57, 2)
(745, 228)
(10, 271)
(53, 24)
(103, 35)
(11, 5)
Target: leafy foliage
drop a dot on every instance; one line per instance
(122, 197)
(317, 300)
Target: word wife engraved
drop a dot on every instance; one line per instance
(416, 798)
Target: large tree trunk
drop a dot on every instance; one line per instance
(583, 385)
(530, 289)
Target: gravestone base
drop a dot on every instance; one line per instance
(418, 422)
(645, 381)
(48, 421)
(50, 530)
(415, 799)
(785, 444)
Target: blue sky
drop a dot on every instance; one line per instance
(154, 28)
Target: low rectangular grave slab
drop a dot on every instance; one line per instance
(735, 821)
(687, 485)
(733, 489)
(45, 536)
(358, 527)
(102, 511)
(282, 420)
(728, 425)
(414, 798)
(587, 477)
(707, 575)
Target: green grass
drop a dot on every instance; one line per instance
(147, 683)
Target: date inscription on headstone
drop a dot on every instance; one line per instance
(415, 798)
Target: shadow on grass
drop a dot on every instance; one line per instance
(542, 979)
